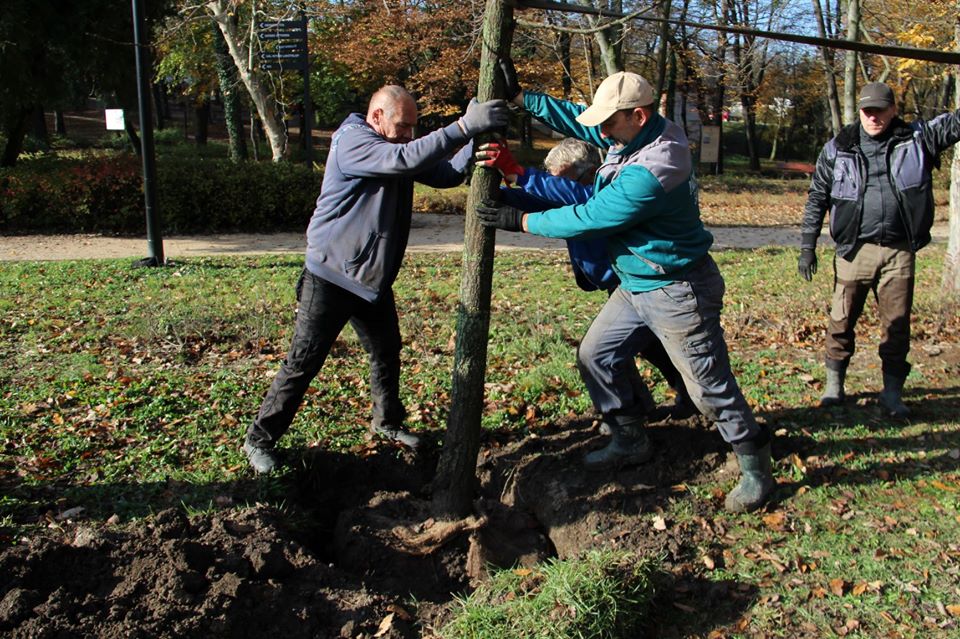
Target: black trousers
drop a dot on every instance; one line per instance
(323, 310)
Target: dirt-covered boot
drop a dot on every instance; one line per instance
(891, 394)
(833, 394)
(262, 460)
(756, 481)
(629, 444)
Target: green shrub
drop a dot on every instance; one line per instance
(104, 194)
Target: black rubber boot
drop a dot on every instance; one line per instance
(756, 480)
(891, 396)
(833, 394)
(629, 444)
(398, 434)
(263, 460)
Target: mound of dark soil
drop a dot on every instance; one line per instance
(357, 541)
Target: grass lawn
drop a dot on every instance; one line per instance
(126, 391)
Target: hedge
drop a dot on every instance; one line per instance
(105, 195)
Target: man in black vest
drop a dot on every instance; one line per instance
(875, 179)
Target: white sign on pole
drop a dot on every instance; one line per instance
(710, 144)
(114, 119)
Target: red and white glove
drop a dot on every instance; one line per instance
(496, 155)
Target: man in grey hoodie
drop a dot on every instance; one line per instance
(356, 240)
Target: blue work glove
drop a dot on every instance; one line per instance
(501, 216)
(485, 116)
(509, 75)
(807, 264)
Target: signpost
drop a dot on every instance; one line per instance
(289, 53)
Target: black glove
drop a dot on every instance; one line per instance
(807, 264)
(500, 216)
(509, 75)
(485, 116)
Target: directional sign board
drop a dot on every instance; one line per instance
(286, 34)
(281, 24)
(280, 55)
(282, 66)
(289, 46)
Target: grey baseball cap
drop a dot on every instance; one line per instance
(875, 95)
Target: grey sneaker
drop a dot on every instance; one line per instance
(263, 460)
(398, 434)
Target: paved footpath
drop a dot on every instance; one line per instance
(429, 232)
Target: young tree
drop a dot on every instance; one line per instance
(951, 267)
(456, 471)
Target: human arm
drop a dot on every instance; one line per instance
(558, 190)
(627, 201)
(449, 173)
(942, 132)
(818, 202)
(362, 152)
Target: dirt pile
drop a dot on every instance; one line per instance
(355, 542)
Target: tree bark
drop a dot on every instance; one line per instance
(227, 77)
(453, 486)
(951, 266)
(15, 129)
(665, 108)
(850, 64)
(39, 126)
(833, 100)
(59, 124)
(262, 98)
(201, 116)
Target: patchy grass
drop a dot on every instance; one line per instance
(126, 391)
(604, 594)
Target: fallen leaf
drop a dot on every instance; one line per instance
(385, 626)
(953, 609)
(522, 572)
(659, 523)
(859, 589)
(684, 607)
(837, 586)
(709, 562)
(775, 520)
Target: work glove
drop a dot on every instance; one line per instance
(807, 264)
(509, 75)
(496, 155)
(484, 116)
(508, 218)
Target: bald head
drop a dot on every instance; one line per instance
(393, 113)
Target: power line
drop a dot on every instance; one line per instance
(928, 55)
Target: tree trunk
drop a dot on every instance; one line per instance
(160, 109)
(662, 61)
(15, 129)
(850, 64)
(59, 125)
(563, 43)
(833, 100)
(229, 88)
(201, 116)
(951, 266)
(608, 40)
(453, 486)
(39, 126)
(262, 98)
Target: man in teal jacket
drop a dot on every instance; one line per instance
(645, 205)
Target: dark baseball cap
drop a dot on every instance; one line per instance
(875, 95)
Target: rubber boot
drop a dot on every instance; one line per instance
(890, 396)
(398, 434)
(756, 481)
(833, 394)
(629, 444)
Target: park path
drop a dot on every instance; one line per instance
(429, 232)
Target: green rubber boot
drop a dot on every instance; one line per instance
(833, 394)
(891, 396)
(756, 481)
(629, 444)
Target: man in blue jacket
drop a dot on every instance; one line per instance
(356, 240)
(875, 179)
(645, 205)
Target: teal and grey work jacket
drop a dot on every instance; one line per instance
(644, 201)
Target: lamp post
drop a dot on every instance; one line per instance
(154, 240)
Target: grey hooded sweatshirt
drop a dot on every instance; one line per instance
(358, 232)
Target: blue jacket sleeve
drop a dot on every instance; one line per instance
(560, 115)
(363, 153)
(448, 174)
(556, 190)
(629, 200)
